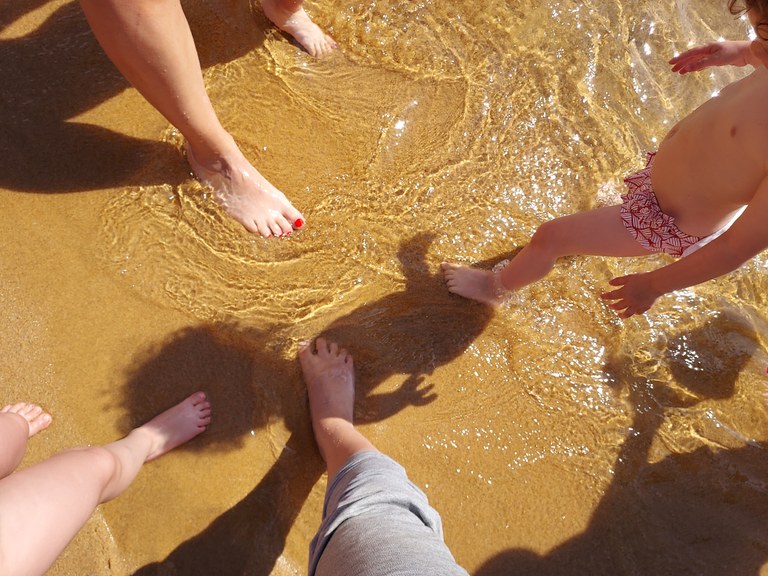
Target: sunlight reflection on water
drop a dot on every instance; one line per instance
(471, 123)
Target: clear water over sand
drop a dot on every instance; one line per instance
(553, 437)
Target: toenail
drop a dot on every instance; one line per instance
(299, 223)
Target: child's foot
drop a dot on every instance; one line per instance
(247, 196)
(330, 378)
(296, 22)
(177, 425)
(472, 283)
(36, 417)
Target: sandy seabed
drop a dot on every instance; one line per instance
(553, 437)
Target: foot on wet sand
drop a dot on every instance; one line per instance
(247, 196)
(330, 377)
(295, 21)
(178, 424)
(472, 283)
(36, 417)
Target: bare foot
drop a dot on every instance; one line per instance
(177, 425)
(471, 283)
(290, 17)
(247, 196)
(330, 378)
(36, 418)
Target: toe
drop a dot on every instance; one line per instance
(274, 227)
(263, 228)
(31, 411)
(283, 226)
(250, 225)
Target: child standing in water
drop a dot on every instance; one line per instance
(702, 197)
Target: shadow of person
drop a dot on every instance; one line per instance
(698, 512)
(705, 361)
(238, 379)
(410, 332)
(249, 385)
(57, 72)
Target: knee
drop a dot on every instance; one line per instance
(546, 238)
(103, 464)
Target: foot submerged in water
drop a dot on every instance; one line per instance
(330, 377)
(472, 283)
(298, 24)
(247, 196)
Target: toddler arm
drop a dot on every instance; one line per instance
(747, 237)
(727, 53)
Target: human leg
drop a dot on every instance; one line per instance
(290, 17)
(597, 232)
(375, 520)
(151, 44)
(18, 423)
(46, 504)
(330, 377)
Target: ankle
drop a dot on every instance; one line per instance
(498, 288)
(331, 425)
(217, 158)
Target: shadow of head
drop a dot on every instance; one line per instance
(411, 332)
(707, 361)
(703, 364)
(247, 383)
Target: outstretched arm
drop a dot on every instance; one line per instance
(727, 53)
(747, 237)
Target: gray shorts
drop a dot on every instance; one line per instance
(375, 522)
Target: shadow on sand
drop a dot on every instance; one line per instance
(58, 71)
(246, 376)
(700, 512)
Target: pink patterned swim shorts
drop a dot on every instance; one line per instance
(643, 218)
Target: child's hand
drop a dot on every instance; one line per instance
(634, 297)
(729, 53)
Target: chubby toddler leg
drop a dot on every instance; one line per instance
(597, 232)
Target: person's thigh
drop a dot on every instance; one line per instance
(42, 507)
(598, 232)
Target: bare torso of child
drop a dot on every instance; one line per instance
(712, 162)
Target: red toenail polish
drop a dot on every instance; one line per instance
(299, 223)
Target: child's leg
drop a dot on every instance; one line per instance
(44, 506)
(597, 232)
(18, 423)
(290, 17)
(330, 378)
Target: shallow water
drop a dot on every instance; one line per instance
(553, 437)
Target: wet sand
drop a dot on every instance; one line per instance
(553, 437)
